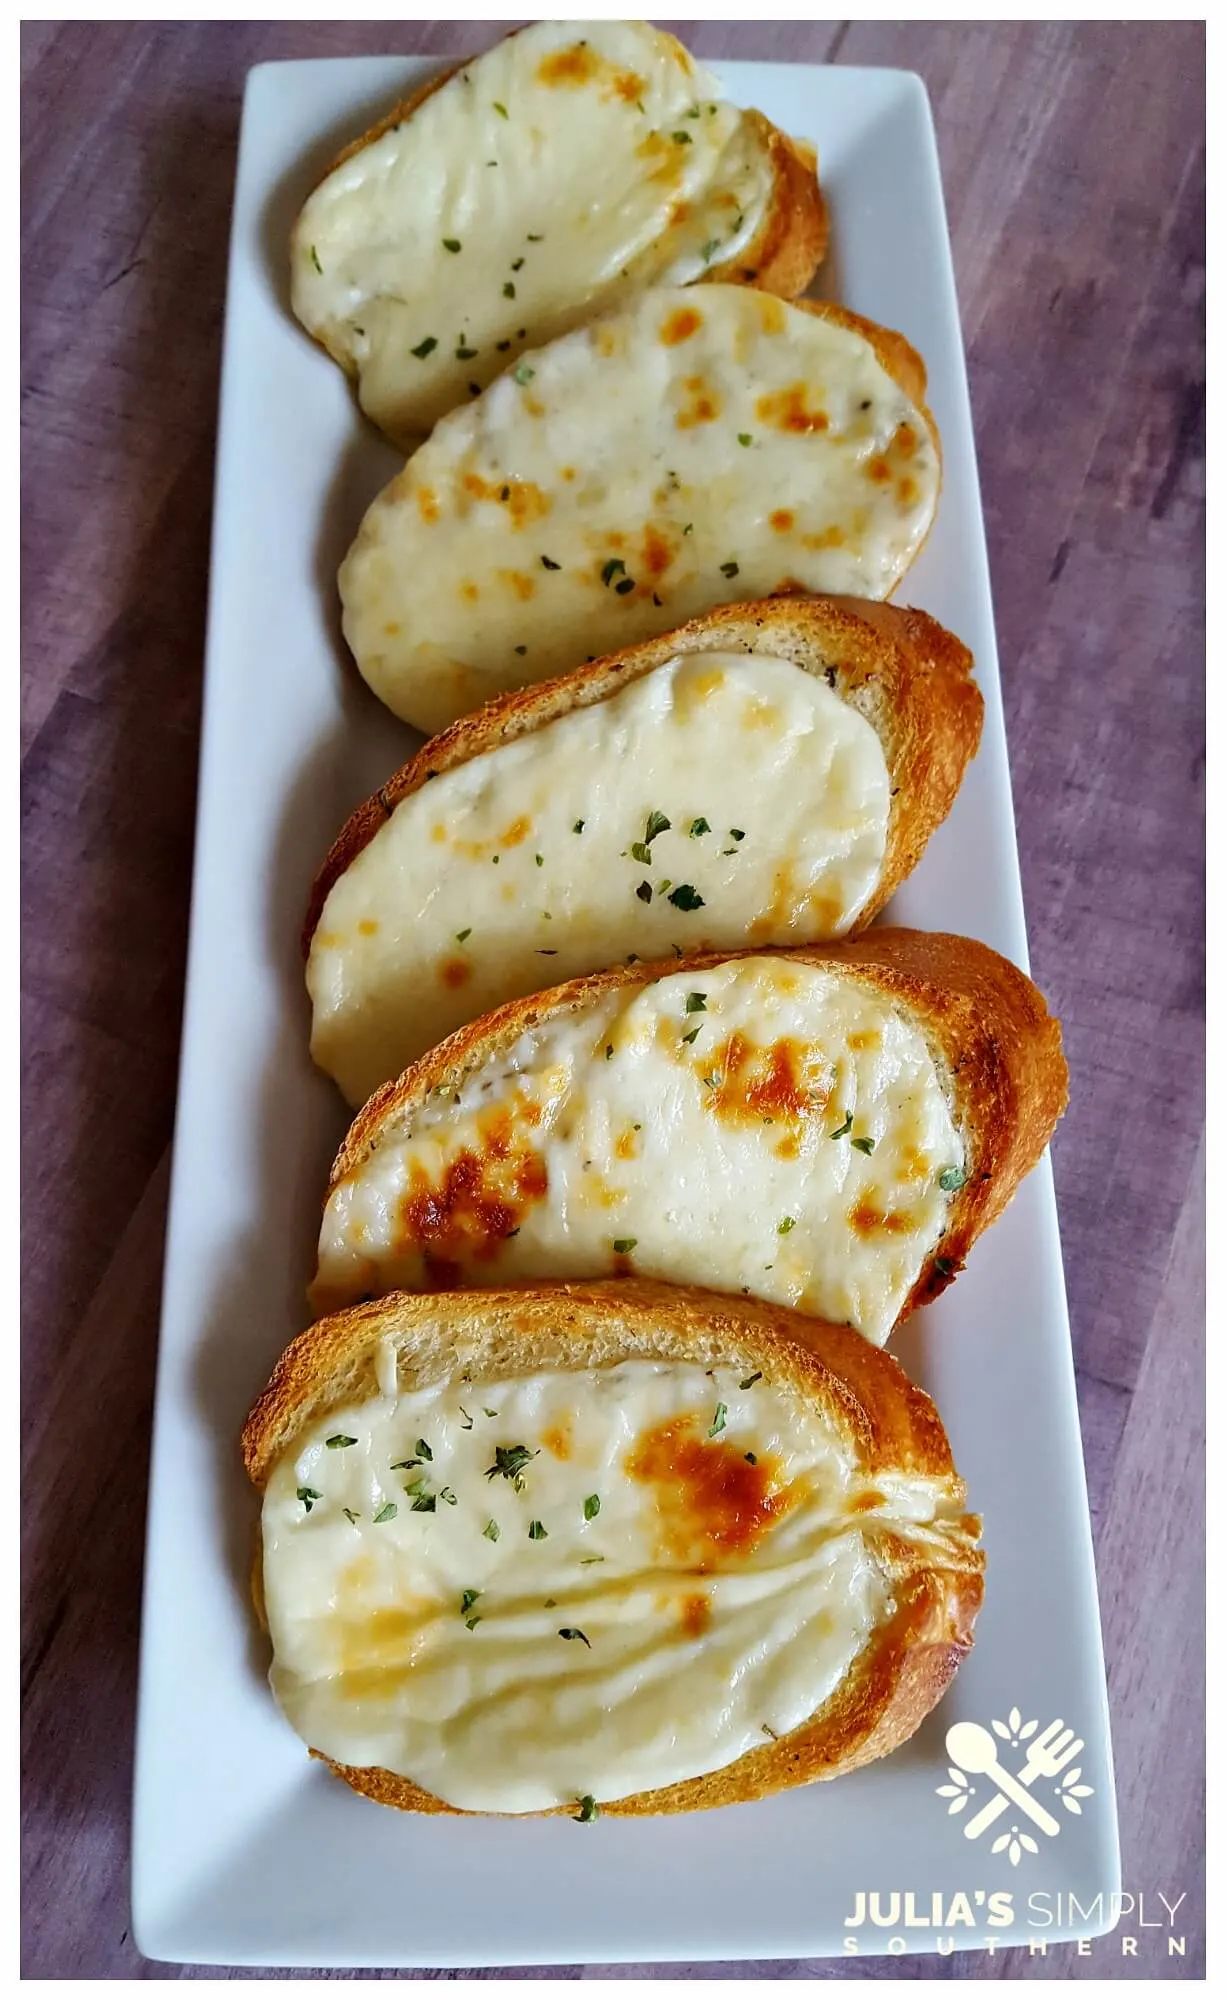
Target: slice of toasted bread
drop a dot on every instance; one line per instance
(521, 193)
(818, 741)
(603, 1547)
(697, 449)
(830, 1127)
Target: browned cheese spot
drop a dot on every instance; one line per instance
(579, 65)
(695, 1615)
(483, 1195)
(523, 499)
(702, 407)
(789, 410)
(867, 1218)
(682, 323)
(780, 1081)
(710, 1502)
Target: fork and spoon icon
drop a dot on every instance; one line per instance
(972, 1748)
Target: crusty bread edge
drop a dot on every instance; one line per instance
(899, 1677)
(996, 1047)
(906, 674)
(795, 231)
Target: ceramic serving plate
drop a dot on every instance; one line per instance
(246, 1851)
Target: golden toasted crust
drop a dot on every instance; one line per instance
(997, 1049)
(905, 673)
(936, 1586)
(795, 230)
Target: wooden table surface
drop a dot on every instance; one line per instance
(1073, 158)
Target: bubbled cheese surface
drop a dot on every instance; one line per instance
(529, 864)
(550, 179)
(763, 1125)
(685, 1569)
(703, 447)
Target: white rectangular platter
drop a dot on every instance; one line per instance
(246, 1852)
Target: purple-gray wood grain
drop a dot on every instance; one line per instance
(1073, 158)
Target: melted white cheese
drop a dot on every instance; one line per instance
(571, 166)
(719, 1600)
(704, 447)
(684, 1130)
(517, 869)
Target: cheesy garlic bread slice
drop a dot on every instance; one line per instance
(828, 1127)
(700, 448)
(769, 772)
(603, 1548)
(525, 191)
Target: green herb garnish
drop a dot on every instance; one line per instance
(786, 1227)
(588, 1810)
(625, 585)
(952, 1179)
(339, 1442)
(387, 1512)
(683, 138)
(624, 1244)
(428, 346)
(573, 1632)
(844, 1128)
(350, 1515)
(315, 260)
(422, 1449)
(751, 1379)
(698, 826)
(611, 568)
(751, 1458)
(721, 1420)
(744, 437)
(695, 1003)
(451, 243)
(501, 109)
(508, 290)
(686, 897)
(547, 562)
(467, 1601)
(643, 892)
(461, 935)
(509, 1461)
(693, 1034)
(308, 1496)
(578, 826)
(524, 374)
(537, 1531)
(943, 1265)
(491, 1531)
(864, 1145)
(730, 569)
(591, 1507)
